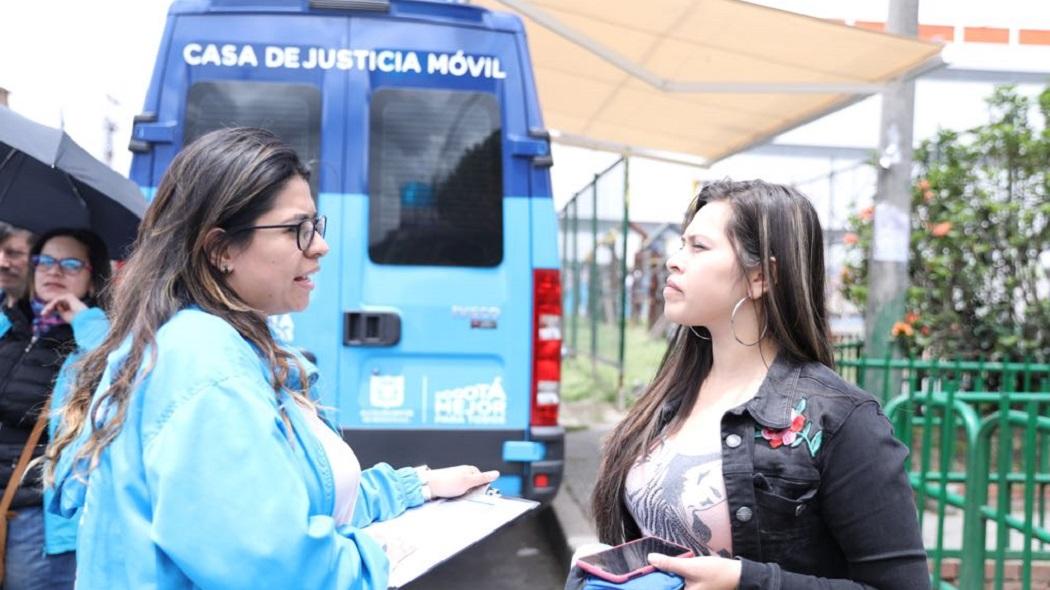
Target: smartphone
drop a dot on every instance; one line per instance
(630, 560)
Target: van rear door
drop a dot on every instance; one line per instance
(437, 306)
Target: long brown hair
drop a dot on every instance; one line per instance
(769, 222)
(225, 179)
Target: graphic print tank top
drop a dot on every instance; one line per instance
(677, 493)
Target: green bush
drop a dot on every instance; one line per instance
(980, 210)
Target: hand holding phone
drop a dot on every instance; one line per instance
(629, 560)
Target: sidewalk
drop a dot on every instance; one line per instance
(586, 424)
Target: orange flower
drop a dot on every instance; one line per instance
(912, 317)
(924, 185)
(925, 330)
(927, 196)
(850, 239)
(867, 214)
(902, 329)
(941, 229)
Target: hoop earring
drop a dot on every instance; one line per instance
(732, 324)
(698, 334)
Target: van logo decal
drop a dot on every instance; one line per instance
(386, 396)
(481, 312)
(458, 64)
(481, 404)
(482, 317)
(387, 391)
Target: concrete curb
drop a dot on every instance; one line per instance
(586, 425)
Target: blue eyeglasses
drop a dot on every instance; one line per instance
(69, 266)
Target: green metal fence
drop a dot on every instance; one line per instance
(1025, 467)
(980, 460)
(935, 375)
(593, 228)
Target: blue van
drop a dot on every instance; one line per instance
(436, 321)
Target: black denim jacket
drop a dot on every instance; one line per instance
(818, 496)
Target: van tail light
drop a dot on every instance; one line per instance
(546, 347)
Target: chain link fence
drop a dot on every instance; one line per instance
(612, 280)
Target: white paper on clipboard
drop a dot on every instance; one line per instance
(424, 537)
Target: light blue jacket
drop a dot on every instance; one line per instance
(89, 329)
(204, 486)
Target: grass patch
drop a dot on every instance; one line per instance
(582, 379)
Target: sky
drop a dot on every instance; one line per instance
(77, 64)
(92, 62)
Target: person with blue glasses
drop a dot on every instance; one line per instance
(41, 336)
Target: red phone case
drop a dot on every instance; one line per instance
(595, 570)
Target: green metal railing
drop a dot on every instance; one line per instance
(1033, 476)
(930, 375)
(593, 228)
(979, 437)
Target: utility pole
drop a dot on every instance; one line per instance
(888, 262)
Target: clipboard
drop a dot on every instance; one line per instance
(426, 536)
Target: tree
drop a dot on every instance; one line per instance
(980, 239)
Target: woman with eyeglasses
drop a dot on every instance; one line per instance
(40, 338)
(193, 441)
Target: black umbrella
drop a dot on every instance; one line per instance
(47, 181)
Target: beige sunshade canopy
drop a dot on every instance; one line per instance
(708, 78)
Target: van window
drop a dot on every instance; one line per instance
(435, 177)
(291, 111)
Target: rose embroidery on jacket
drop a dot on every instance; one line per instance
(795, 434)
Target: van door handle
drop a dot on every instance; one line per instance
(371, 328)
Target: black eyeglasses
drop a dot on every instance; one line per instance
(69, 266)
(304, 230)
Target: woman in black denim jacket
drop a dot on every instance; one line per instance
(746, 447)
